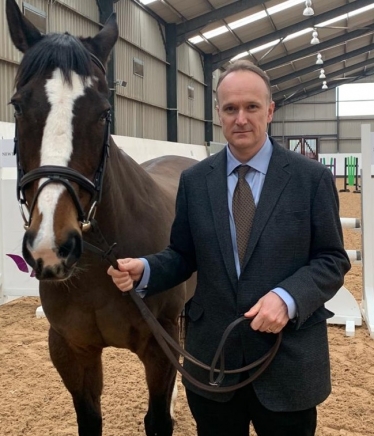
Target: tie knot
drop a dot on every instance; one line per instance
(242, 170)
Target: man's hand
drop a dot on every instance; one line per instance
(270, 314)
(129, 271)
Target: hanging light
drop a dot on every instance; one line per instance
(324, 85)
(322, 74)
(315, 39)
(319, 60)
(308, 11)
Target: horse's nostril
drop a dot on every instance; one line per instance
(66, 248)
(71, 249)
(27, 242)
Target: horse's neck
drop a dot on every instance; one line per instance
(124, 182)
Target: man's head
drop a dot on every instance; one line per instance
(244, 107)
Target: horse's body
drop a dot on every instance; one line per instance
(61, 111)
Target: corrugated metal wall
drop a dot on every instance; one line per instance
(87, 8)
(141, 105)
(7, 74)
(141, 108)
(190, 131)
(9, 59)
(191, 110)
(316, 116)
(61, 17)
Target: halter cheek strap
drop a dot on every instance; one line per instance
(65, 176)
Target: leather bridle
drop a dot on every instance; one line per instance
(65, 176)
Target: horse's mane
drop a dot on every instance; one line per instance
(55, 50)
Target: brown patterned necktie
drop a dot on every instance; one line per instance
(243, 208)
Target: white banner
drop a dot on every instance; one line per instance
(7, 158)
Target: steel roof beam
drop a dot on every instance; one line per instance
(315, 91)
(220, 58)
(312, 50)
(186, 29)
(326, 63)
(280, 95)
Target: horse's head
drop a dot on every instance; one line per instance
(62, 119)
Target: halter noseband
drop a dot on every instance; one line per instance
(64, 175)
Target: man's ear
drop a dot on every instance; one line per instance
(218, 113)
(271, 112)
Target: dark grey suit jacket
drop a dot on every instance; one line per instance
(296, 243)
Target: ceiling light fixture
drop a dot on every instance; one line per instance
(308, 11)
(322, 74)
(315, 39)
(324, 85)
(319, 60)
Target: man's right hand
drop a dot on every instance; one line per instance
(129, 271)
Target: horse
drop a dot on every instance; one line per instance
(71, 174)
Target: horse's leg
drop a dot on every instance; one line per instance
(160, 375)
(81, 372)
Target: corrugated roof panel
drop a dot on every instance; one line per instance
(191, 8)
(244, 14)
(267, 54)
(225, 41)
(359, 42)
(282, 71)
(255, 30)
(163, 12)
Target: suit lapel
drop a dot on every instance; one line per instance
(217, 191)
(276, 180)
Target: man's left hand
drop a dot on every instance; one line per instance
(270, 314)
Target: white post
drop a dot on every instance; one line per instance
(351, 223)
(354, 256)
(367, 202)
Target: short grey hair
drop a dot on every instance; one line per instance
(244, 65)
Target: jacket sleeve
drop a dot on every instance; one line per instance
(319, 280)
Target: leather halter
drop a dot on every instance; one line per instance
(64, 175)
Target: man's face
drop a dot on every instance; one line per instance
(244, 110)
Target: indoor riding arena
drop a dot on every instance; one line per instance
(34, 402)
(143, 75)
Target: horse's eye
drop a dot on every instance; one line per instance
(17, 108)
(104, 116)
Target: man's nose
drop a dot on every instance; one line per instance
(241, 118)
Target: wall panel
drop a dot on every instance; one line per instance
(151, 87)
(87, 8)
(154, 122)
(190, 63)
(140, 29)
(187, 106)
(62, 19)
(7, 74)
(190, 131)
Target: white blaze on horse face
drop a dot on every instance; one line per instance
(56, 149)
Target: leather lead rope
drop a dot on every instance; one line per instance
(168, 344)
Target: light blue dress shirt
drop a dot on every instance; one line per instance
(255, 178)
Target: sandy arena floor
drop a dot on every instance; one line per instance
(34, 402)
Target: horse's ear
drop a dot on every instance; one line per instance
(23, 33)
(104, 41)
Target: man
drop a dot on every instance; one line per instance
(293, 262)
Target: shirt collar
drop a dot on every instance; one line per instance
(260, 161)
